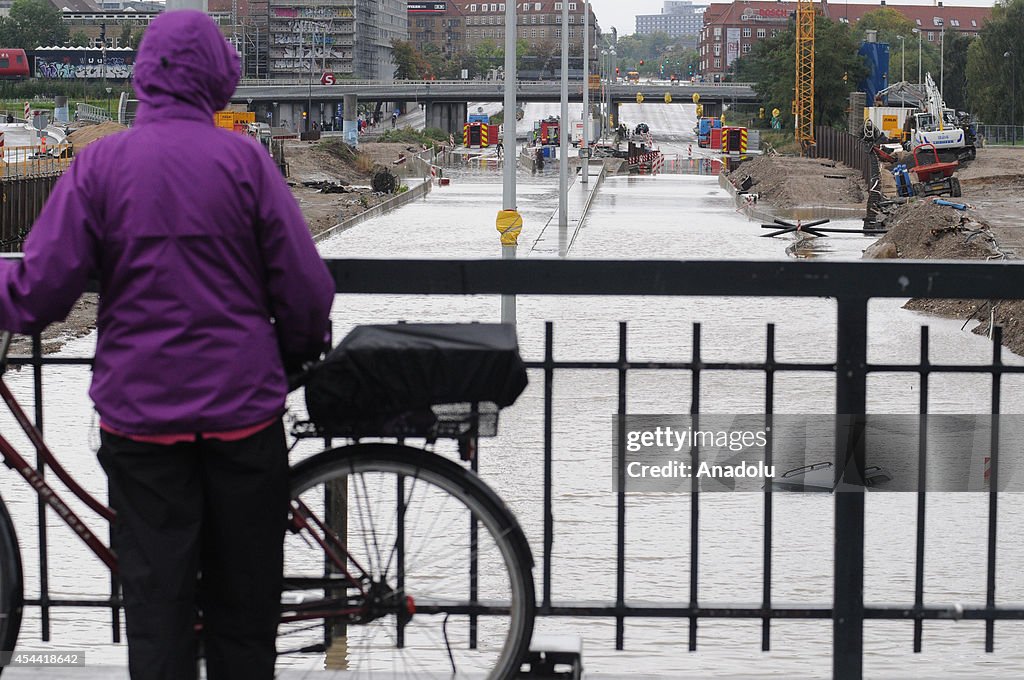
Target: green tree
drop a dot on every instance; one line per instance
(837, 70)
(79, 39)
(32, 24)
(485, 56)
(954, 82)
(990, 74)
(409, 64)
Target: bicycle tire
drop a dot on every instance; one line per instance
(438, 637)
(11, 593)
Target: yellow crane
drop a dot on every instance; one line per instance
(803, 103)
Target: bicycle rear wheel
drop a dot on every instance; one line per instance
(441, 575)
(10, 583)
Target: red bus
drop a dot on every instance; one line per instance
(13, 64)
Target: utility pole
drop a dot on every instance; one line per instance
(510, 222)
(1013, 93)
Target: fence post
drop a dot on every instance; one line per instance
(848, 569)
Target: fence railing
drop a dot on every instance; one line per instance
(851, 284)
(1000, 134)
(32, 161)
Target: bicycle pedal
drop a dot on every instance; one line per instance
(554, 656)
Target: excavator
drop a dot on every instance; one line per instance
(940, 126)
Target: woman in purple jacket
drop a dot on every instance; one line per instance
(209, 284)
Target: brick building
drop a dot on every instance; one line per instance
(439, 23)
(731, 30)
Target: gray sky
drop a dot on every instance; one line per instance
(621, 13)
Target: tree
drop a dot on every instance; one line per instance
(771, 66)
(79, 39)
(32, 24)
(954, 87)
(989, 73)
(409, 65)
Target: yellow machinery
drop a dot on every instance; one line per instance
(803, 104)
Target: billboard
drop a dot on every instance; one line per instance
(427, 7)
(732, 46)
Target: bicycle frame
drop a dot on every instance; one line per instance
(303, 519)
(14, 460)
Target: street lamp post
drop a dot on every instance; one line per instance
(903, 59)
(109, 112)
(1013, 93)
(918, 31)
(586, 93)
(942, 59)
(510, 222)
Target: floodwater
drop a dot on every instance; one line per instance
(664, 217)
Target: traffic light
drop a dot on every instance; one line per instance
(689, 70)
(616, 70)
(641, 62)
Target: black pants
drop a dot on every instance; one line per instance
(210, 508)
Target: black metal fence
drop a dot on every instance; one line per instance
(852, 284)
(21, 201)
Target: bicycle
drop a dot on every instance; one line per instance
(396, 557)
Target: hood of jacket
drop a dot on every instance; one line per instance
(185, 63)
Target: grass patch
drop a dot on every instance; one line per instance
(430, 136)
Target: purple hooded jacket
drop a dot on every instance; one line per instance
(207, 271)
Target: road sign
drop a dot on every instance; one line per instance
(668, 97)
(327, 78)
(696, 98)
(595, 82)
(639, 98)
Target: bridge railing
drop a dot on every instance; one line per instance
(851, 284)
(546, 84)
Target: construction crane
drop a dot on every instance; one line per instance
(803, 103)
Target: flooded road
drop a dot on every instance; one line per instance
(664, 217)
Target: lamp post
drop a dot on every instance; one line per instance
(109, 112)
(942, 59)
(918, 31)
(312, 63)
(586, 93)
(903, 58)
(510, 222)
(563, 138)
(1013, 93)
(604, 91)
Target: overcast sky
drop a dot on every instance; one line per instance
(621, 13)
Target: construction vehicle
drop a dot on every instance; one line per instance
(939, 126)
(934, 177)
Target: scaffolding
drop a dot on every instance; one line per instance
(803, 102)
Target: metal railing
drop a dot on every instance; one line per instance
(992, 135)
(33, 160)
(851, 284)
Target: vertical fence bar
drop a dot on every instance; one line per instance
(769, 409)
(851, 400)
(922, 478)
(549, 521)
(44, 556)
(694, 488)
(620, 558)
(993, 493)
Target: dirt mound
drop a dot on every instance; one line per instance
(922, 230)
(88, 134)
(787, 182)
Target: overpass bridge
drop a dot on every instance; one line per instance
(283, 101)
